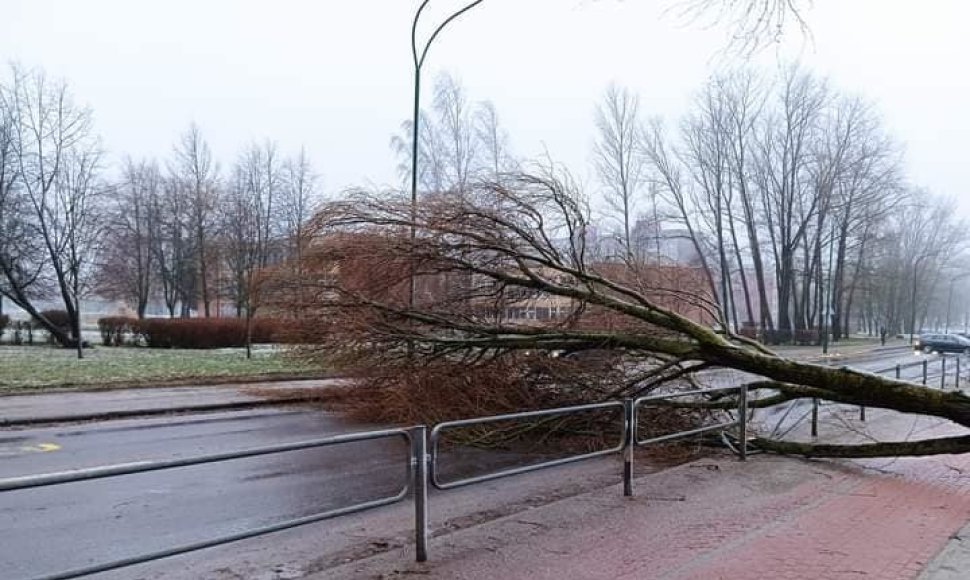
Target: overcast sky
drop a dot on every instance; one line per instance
(335, 75)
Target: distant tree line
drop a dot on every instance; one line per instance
(792, 195)
(177, 230)
(794, 198)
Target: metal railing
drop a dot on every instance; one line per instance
(925, 366)
(558, 412)
(67, 477)
(897, 372)
(741, 422)
(422, 469)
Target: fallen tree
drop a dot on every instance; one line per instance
(404, 289)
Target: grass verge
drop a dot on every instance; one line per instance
(39, 367)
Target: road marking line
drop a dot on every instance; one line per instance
(38, 448)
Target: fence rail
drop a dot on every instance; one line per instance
(897, 370)
(557, 412)
(79, 475)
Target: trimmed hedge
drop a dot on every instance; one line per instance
(193, 333)
(116, 330)
(807, 336)
(777, 336)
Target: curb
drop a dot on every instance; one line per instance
(131, 413)
(862, 353)
(213, 381)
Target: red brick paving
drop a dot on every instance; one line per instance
(882, 527)
(772, 518)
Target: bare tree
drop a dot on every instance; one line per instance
(251, 224)
(197, 176)
(618, 159)
(752, 24)
(55, 162)
(21, 258)
(458, 142)
(457, 131)
(743, 99)
(866, 187)
(670, 182)
(930, 239)
(496, 160)
(707, 160)
(790, 202)
(79, 199)
(128, 269)
(299, 199)
(172, 248)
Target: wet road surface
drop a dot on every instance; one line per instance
(51, 529)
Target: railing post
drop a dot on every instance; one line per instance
(925, 365)
(419, 463)
(957, 379)
(942, 373)
(814, 417)
(629, 445)
(743, 422)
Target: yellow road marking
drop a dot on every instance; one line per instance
(47, 447)
(38, 448)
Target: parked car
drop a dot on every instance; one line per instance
(943, 343)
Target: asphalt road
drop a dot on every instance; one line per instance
(53, 529)
(47, 530)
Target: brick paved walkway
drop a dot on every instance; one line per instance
(770, 518)
(860, 527)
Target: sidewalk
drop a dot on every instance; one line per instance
(769, 518)
(85, 405)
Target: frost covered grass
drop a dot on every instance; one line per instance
(24, 367)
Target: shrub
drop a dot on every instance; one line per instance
(776, 336)
(807, 336)
(202, 332)
(4, 323)
(114, 330)
(266, 330)
(291, 331)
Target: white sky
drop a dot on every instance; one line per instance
(335, 75)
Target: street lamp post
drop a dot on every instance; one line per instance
(827, 300)
(949, 301)
(912, 302)
(419, 58)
